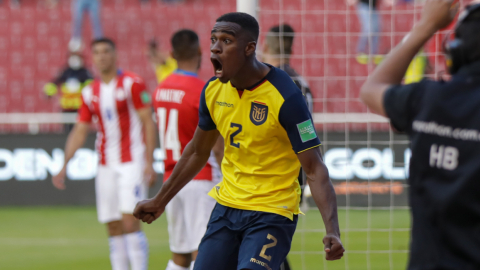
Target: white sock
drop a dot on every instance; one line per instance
(172, 266)
(137, 247)
(118, 253)
(191, 265)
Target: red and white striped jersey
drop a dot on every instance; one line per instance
(114, 105)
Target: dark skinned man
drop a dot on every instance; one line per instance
(269, 134)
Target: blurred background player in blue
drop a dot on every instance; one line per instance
(371, 24)
(79, 8)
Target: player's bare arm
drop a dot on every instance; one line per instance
(325, 199)
(194, 158)
(145, 115)
(218, 150)
(437, 14)
(75, 140)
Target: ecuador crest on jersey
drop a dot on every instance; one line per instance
(264, 128)
(258, 113)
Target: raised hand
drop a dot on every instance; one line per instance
(438, 14)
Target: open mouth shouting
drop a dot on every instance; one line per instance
(217, 67)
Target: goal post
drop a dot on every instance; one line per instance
(248, 6)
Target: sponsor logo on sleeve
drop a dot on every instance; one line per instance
(145, 97)
(306, 131)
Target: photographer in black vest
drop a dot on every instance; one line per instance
(442, 120)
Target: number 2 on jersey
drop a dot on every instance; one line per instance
(234, 125)
(169, 135)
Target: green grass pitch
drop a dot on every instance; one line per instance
(71, 238)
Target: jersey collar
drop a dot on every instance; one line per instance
(257, 84)
(283, 66)
(185, 73)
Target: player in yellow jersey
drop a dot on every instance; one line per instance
(269, 134)
(163, 64)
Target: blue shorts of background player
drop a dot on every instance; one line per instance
(241, 239)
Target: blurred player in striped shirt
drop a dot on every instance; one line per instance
(176, 102)
(120, 105)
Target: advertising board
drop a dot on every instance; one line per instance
(367, 169)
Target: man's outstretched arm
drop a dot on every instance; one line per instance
(193, 159)
(218, 151)
(437, 14)
(325, 199)
(145, 115)
(75, 140)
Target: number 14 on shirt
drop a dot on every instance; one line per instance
(169, 139)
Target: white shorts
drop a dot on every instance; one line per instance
(118, 188)
(188, 214)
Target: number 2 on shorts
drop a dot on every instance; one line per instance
(264, 249)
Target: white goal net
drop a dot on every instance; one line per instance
(337, 44)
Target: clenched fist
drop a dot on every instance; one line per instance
(148, 211)
(333, 247)
(438, 14)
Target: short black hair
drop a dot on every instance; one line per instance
(467, 31)
(246, 21)
(185, 44)
(103, 40)
(278, 34)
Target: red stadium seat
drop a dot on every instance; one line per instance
(33, 43)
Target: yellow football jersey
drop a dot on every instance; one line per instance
(263, 127)
(163, 71)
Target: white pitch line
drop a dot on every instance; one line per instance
(339, 118)
(37, 118)
(60, 118)
(11, 241)
(23, 242)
